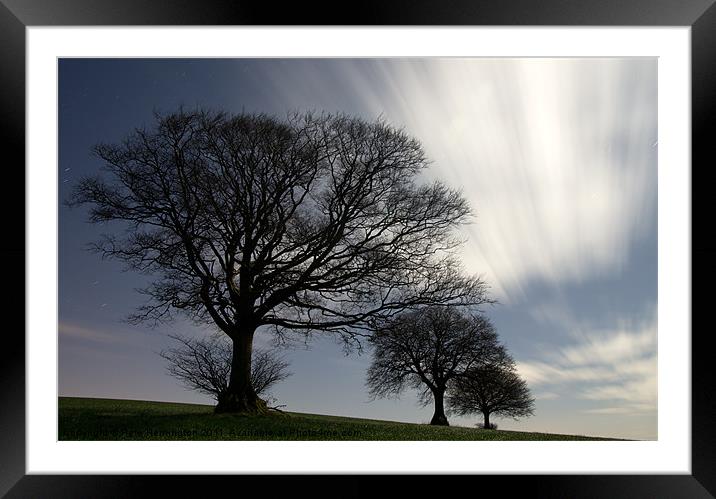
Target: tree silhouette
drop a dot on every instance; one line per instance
(491, 389)
(427, 350)
(249, 222)
(204, 364)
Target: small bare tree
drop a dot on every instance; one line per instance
(491, 389)
(427, 349)
(204, 364)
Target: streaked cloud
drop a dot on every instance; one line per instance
(108, 336)
(617, 367)
(557, 156)
(546, 396)
(627, 409)
(77, 332)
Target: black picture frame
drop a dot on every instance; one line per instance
(16, 15)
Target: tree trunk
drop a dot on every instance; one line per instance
(240, 395)
(439, 415)
(486, 424)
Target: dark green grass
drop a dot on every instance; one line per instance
(108, 419)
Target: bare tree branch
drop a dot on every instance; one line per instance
(204, 364)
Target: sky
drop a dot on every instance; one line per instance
(557, 157)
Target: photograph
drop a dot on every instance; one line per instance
(357, 248)
(306, 247)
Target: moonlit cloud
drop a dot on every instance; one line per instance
(546, 396)
(557, 156)
(76, 332)
(614, 367)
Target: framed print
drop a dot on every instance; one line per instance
(349, 153)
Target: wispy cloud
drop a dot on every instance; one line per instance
(77, 332)
(546, 396)
(107, 336)
(617, 367)
(627, 409)
(557, 155)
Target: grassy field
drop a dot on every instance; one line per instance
(107, 419)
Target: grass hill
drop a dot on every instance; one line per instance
(110, 419)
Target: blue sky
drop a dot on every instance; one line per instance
(558, 158)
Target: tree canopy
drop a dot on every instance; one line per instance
(491, 389)
(427, 349)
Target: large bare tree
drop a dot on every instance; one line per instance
(309, 223)
(427, 350)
